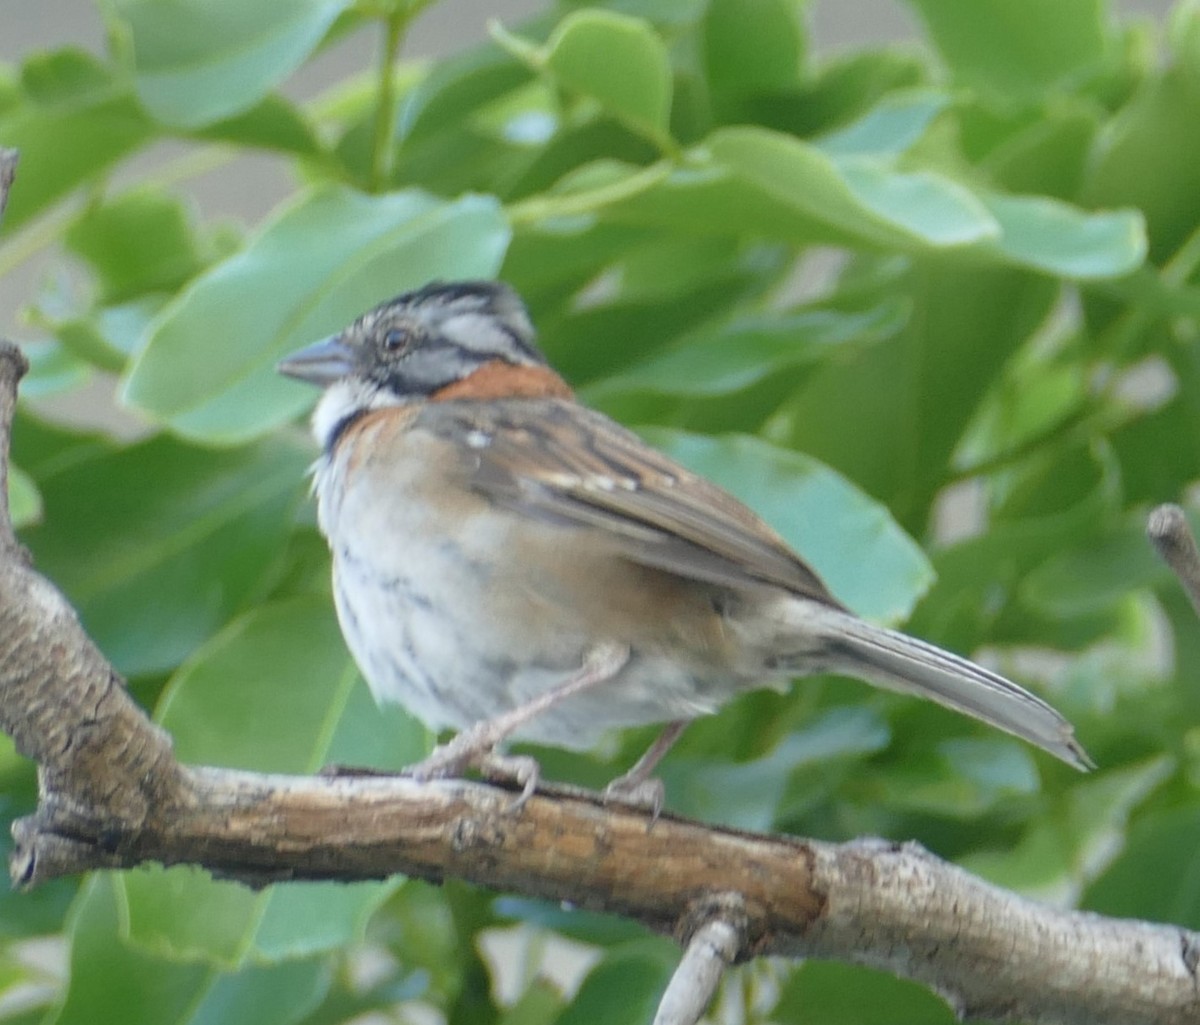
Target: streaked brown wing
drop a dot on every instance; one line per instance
(566, 464)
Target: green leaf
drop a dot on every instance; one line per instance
(1060, 855)
(557, 257)
(1051, 236)
(208, 367)
(1145, 159)
(1183, 34)
(457, 87)
(1025, 405)
(154, 571)
(748, 795)
(964, 776)
(728, 359)
(625, 986)
(272, 124)
(200, 61)
(914, 395)
(76, 118)
(24, 501)
(847, 86)
(779, 186)
(1140, 445)
(167, 251)
(889, 128)
(935, 209)
(572, 154)
(184, 914)
(593, 341)
(285, 665)
(753, 181)
(868, 561)
(977, 579)
(751, 47)
(618, 61)
(1097, 574)
(1018, 48)
(828, 993)
(858, 198)
(1157, 876)
(1046, 152)
(540, 1004)
(111, 982)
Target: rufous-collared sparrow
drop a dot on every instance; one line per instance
(509, 562)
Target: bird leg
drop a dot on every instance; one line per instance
(476, 746)
(637, 787)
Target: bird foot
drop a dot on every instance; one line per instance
(640, 794)
(520, 770)
(473, 749)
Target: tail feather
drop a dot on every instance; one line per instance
(899, 662)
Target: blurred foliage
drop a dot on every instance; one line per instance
(933, 310)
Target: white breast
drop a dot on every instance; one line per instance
(435, 616)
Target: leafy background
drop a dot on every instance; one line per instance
(931, 308)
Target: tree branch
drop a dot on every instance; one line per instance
(112, 795)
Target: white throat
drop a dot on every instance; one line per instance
(343, 400)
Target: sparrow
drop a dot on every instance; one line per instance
(509, 563)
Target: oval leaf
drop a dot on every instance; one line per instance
(199, 61)
(890, 127)
(111, 981)
(1057, 238)
(156, 570)
(726, 360)
(618, 61)
(751, 47)
(854, 199)
(1018, 47)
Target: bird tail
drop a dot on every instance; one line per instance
(899, 662)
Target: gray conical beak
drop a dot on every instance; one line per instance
(321, 363)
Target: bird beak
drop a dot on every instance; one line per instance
(321, 363)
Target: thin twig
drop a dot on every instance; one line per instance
(385, 112)
(1172, 537)
(713, 948)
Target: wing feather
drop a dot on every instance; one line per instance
(569, 465)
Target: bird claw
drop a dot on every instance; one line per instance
(521, 770)
(645, 795)
(454, 758)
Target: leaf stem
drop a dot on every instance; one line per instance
(1024, 448)
(396, 23)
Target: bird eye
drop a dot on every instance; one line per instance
(396, 338)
